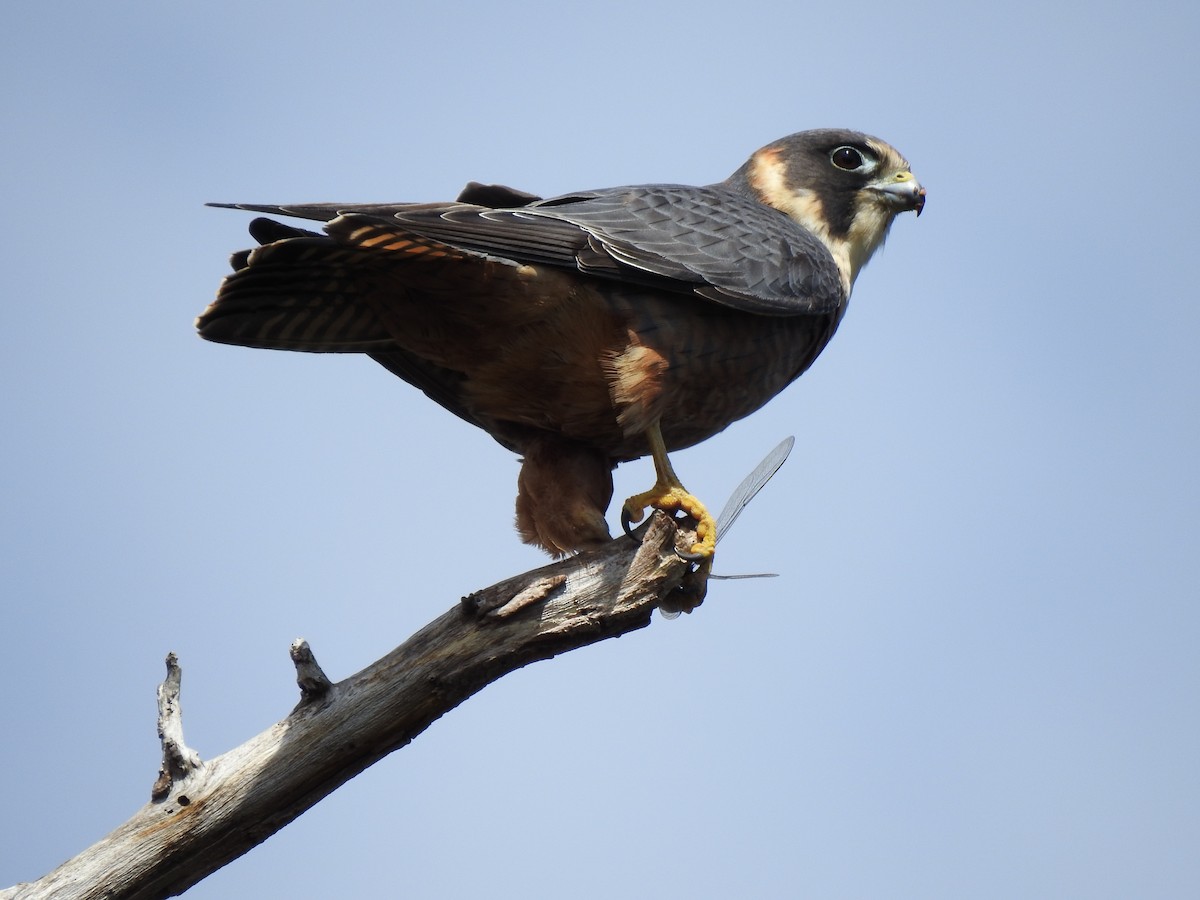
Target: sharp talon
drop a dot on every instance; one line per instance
(674, 499)
(627, 522)
(670, 496)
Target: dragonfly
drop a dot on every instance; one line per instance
(695, 585)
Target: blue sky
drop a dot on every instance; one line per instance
(977, 674)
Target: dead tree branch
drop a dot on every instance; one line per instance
(204, 814)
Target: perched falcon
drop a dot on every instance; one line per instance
(588, 329)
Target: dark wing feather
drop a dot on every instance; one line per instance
(492, 196)
(708, 241)
(730, 248)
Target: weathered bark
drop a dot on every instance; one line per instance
(203, 815)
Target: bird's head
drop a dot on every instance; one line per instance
(843, 186)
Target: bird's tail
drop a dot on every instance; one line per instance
(298, 291)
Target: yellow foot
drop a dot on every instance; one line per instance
(669, 498)
(668, 494)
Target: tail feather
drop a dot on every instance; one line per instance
(322, 293)
(295, 294)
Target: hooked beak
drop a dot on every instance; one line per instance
(902, 192)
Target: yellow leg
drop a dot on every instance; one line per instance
(669, 494)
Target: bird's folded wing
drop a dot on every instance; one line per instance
(706, 241)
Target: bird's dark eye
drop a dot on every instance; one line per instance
(847, 158)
